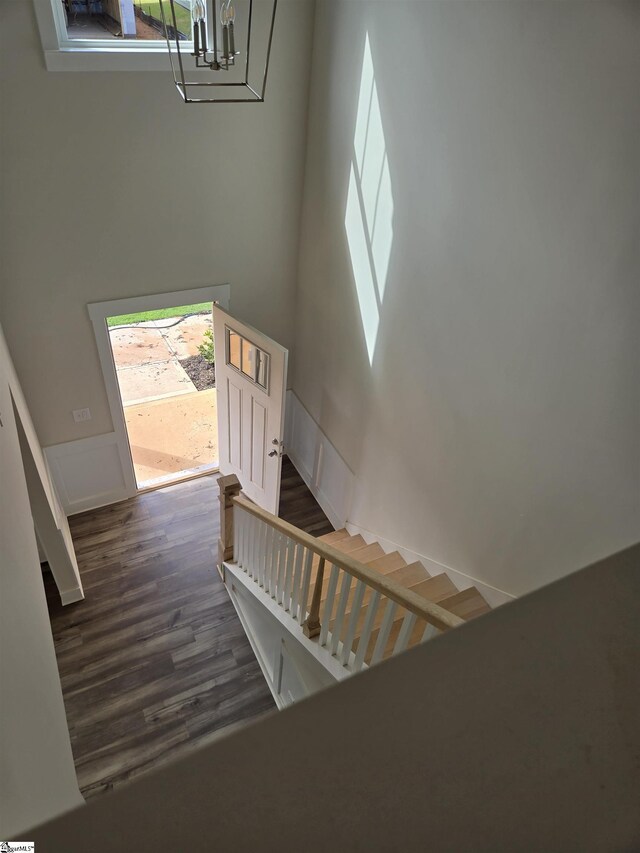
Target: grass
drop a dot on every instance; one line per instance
(159, 314)
(183, 16)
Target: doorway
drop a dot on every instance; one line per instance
(166, 378)
(158, 360)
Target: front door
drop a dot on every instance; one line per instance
(251, 380)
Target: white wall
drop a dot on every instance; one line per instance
(516, 732)
(490, 410)
(112, 187)
(48, 515)
(38, 779)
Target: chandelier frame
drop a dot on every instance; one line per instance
(177, 58)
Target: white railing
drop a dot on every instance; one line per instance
(359, 615)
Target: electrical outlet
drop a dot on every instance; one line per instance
(80, 415)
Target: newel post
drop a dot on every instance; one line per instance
(229, 487)
(311, 626)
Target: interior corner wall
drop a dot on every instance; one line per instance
(38, 780)
(468, 303)
(112, 187)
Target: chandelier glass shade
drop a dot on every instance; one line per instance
(225, 57)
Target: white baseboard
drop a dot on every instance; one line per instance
(494, 596)
(88, 473)
(318, 462)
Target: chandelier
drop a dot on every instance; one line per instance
(224, 37)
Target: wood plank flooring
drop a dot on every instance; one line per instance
(154, 662)
(297, 504)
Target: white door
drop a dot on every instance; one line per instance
(251, 380)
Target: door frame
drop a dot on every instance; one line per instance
(98, 313)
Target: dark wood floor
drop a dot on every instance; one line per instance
(297, 504)
(154, 662)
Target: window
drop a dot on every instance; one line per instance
(247, 359)
(102, 35)
(115, 19)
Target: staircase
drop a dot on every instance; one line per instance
(335, 602)
(438, 589)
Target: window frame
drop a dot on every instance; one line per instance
(64, 54)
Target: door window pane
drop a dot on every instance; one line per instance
(234, 342)
(249, 359)
(262, 372)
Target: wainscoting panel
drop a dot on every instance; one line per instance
(88, 473)
(320, 465)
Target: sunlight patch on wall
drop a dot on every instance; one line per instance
(361, 265)
(369, 211)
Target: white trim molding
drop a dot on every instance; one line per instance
(98, 312)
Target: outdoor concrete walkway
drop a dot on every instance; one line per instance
(173, 435)
(172, 427)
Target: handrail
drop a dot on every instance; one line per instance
(416, 604)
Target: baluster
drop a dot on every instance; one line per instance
(248, 544)
(342, 606)
(385, 630)
(240, 519)
(282, 559)
(408, 624)
(429, 632)
(240, 522)
(367, 628)
(285, 595)
(246, 528)
(297, 580)
(273, 574)
(277, 566)
(273, 567)
(311, 626)
(250, 539)
(306, 581)
(353, 621)
(328, 604)
(268, 557)
(262, 552)
(257, 553)
(236, 537)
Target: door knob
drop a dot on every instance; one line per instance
(272, 453)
